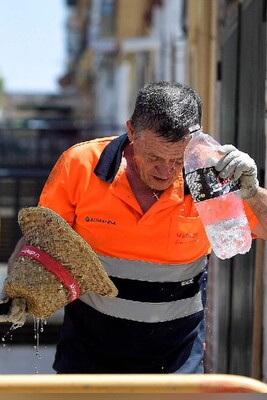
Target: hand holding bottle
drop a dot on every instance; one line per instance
(218, 198)
(241, 166)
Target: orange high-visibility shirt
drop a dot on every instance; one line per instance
(109, 218)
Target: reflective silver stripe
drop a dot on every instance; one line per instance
(144, 312)
(151, 272)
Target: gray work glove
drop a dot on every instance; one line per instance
(16, 312)
(241, 166)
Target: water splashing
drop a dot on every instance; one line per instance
(9, 334)
(38, 326)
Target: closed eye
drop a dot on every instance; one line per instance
(153, 158)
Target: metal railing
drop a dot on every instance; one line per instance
(129, 383)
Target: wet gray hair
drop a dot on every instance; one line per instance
(169, 109)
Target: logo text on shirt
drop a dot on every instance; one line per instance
(187, 282)
(100, 220)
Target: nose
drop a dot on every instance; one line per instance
(164, 171)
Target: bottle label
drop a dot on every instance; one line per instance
(205, 184)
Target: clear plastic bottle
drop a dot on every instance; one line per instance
(217, 200)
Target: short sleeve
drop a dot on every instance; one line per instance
(55, 194)
(252, 219)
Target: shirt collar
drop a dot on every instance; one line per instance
(110, 159)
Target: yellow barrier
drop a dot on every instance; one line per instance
(132, 383)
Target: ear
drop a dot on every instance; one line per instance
(130, 131)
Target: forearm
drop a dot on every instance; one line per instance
(258, 204)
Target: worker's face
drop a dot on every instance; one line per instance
(159, 163)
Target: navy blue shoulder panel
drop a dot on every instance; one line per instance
(110, 159)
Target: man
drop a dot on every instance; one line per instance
(127, 197)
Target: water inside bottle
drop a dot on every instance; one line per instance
(226, 225)
(229, 237)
